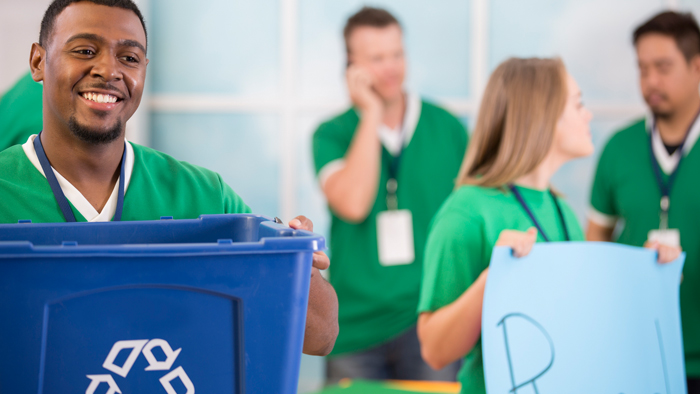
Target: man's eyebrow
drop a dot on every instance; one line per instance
(132, 43)
(86, 36)
(95, 37)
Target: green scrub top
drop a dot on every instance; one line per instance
(376, 302)
(159, 186)
(20, 112)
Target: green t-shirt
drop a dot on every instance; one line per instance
(377, 303)
(625, 187)
(460, 243)
(159, 186)
(20, 112)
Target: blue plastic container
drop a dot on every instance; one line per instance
(215, 304)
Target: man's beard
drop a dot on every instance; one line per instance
(665, 115)
(92, 136)
(657, 112)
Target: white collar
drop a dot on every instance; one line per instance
(392, 138)
(74, 196)
(668, 162)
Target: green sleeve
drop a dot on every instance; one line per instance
(330, 143)
(20, 112)
(454, 258)
(233, 203)
(602, 192)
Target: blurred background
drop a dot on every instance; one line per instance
(240, 86)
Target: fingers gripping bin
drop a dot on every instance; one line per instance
(212, 305)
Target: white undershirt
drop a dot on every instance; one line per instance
(74, 196)
(667, 163)
(390, 138)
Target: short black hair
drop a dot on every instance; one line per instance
(682, 27)
(368, 16)
(57, 6)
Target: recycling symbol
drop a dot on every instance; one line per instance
(137, 347)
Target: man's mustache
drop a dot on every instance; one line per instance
(656, 93)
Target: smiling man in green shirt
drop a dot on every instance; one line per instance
(647, 176)
(91, 57)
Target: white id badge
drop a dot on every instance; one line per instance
(395, 237)
(670, 237)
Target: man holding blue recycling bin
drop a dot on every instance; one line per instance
(91, 57)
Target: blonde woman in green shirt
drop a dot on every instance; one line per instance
(530, 123)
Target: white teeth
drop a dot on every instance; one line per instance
(100, 98)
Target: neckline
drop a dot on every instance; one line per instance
(391, 140)
(77, 200)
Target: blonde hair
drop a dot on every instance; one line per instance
(515, 128)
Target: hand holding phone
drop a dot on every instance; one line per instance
(361, 92)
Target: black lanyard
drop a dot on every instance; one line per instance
(522, 202)
(58, 192)
(665, 187)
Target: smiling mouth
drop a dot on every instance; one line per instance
(100, 98)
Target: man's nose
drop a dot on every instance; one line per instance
(652, 79)
(107, 67)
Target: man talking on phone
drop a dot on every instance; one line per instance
(385, 166)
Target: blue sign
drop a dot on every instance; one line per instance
(582, 317)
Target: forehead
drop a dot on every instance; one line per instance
(369, 37)
(655, 45)
(112, 23)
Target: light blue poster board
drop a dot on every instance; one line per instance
(582, 317)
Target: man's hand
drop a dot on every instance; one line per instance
(667, 253)
(361, 93)
(521, 242)
(321, 260)
(322, 314)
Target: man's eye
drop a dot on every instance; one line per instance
(130, 59)
(86, 52)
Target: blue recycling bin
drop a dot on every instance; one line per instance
(209, 305)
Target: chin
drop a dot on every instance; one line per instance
(660, 110)
(96, 134)
(587, 151)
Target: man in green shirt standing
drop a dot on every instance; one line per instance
(647, 177)
(91, 57)
(385, 166)
(20, 112)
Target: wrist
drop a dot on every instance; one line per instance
(372, 114)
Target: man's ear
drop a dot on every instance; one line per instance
(37, 62)
(694, 64)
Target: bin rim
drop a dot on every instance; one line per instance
(286, 240)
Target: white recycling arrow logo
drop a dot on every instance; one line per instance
(97, 379)
(145, 347)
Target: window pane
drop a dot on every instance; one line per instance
(214, 46)
(592, 37)
(244, 149)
